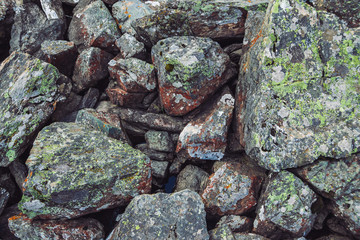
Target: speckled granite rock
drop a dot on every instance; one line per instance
(236, 223)
(248, 236)
(284, 207)
(189, 70)
(192, 178)
(159, 169)
(301, 87)
(221, 233)
(29, 92)
(78, 229)
(180, 215)
(53, 9)
(205, 137)
(130, 47)
(74, 171)
(159, 140)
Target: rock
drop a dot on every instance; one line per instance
(293, 82)
(70, 2)
(248, 236)
(82, 228)
(149, 99)
(221, 233)
(4, 197)
(159, 169)
(90, 68)
(123, 98)
(93, 26)
(189, 70)
(192, 178)
(4, 225)
(130, 47)
(176, 166)
(19, 171)
(153, 154)
(159, 141)
(7, 183)
(7, 14)
(337, 226)
(334, 237)
(53, 9)
(233, 189)
(180, 215)
(339, 181)
(31, 28)
(133, 75)
(29, 92)
(205, 137)
(90, 98)
(60, 53)
(236, 223)
(61, 184)
(64, 109)
(156, 107)
(284, 209)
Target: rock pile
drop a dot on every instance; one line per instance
(179, 119)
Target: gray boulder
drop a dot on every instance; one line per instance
(192, 178)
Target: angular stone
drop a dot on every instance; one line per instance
(284, 208)
(130, 47)
(74, 171)
(93, 25)
(220, 233)
(19, 171)
(70, 2)
(4, 225)
(189, 70)
(248, 236)
(109, 124)
(53, 9)
(133, 75)
(153, 154)
(192, 178)
(159, 169)
(206, 136)
(29, 92)
(159, 140)
(123, 98)
(64, 109)
(236, 223)
(82, 228)
(334, 237)
(299, 88)
(7, 183)
(31, 28)
(180, 215)
(90, 68)
(90, 98)
(232, 189)
(4, 197)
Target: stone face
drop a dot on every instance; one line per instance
(4, 197)
(29, 92)
(53, 9)
(93, 25)
(90, 68)
(206, 136)
(74, 171)
(130, 47)
(189, 70)
(82, 228)
(220, 233)
(248, 236)
(192, 178)
(31, 28)
(159, 140)
(159, 169)
(123, 98)
(285, 207)
(153, 154)
(4, 224)
(236, 223)
(299, 85)
(162, 216)
(232, 189)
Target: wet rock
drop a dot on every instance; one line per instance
(29, 92)
(93, 26)
(159, 169)
(284, 209)
(4, 197)
(60, 53)
(90, 68)
(82, 228)
(160, 216)
(297, 74)
(133, 75)
(190, 69)
(236, 223)
(90, 98)
(192, 178)
(130, 47)
(221, 233)
(153, 154)
(31, 28)
(159, 140)
(19, 171)
(74, 171)
(233, 189)
(206, 136)
(339, 181)
(53, 9)
(248, 236)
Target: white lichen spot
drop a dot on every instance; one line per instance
(283, 112)
(34, 205)
(179, 97)
(177, 84)
(323, 148)
(261, 213)
(282, 209)
(278, 75)
(112, 63)
(227, 99)
(292, 200)
(345, 145)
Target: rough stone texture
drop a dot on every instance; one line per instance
(74, 171)
(159, 140)
(339, 181)
(31, 28)
(206, 136)
(299, 84)
(4, 225)
(109, 124)
(123, 98)
(4, 197)
(130, 47)
(71, 2)
(7, 14)
(19, 171)
(7, 183)
(336, 225)
(192, 178)
(221, 233)
(53, 9)
(248, 236)
(284, 208)
(163, 216)
(63, 109)
(133, 75)
(29, 92)
(159, 169)
(236, 223)
(233, 189)
(154, 155)
(333, 237)
(189, 70)
(60, 53)
(82, 228)
(93, 25)
(90, 68)
(90, 98)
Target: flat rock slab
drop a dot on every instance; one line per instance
(29, 92)
(163, 216)
(301, 80)
(77, 229)
(190, 69)
(74, 171)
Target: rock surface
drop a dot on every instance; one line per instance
(192, 178)
(159, 141)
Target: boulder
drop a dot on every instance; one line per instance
(192, 178)
(159, 169)
(153, 154)
(159, 141)
(53, 9)
(236, 223)
(130, 47)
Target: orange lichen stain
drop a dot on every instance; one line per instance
(126, 11)
(54, 105)
(14, 217)
(259, 35)
(120, 26)
(228, 186)
(129, 16)
(249, 1)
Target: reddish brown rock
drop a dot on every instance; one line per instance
(120, 97)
